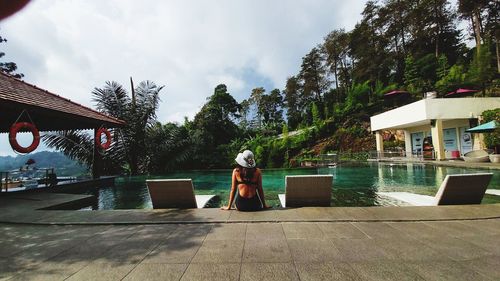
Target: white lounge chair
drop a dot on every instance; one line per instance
(307, 190)
(455, 190)
(175, 193)
(493, 192)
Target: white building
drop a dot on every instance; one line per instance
(445, 120)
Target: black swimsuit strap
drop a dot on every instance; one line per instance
(246, 182)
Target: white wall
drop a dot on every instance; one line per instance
(403, 117)
(421, 112)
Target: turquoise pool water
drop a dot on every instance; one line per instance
(353, 184)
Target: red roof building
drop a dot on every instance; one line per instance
(48, 111)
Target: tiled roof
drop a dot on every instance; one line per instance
(17, 95)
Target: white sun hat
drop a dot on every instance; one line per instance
(246, 159)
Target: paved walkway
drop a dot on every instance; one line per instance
(373, 243)
(442, 250)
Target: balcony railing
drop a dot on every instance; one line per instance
(403, 155)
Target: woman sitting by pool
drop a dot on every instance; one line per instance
(248, 180)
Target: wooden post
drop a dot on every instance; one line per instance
(96, 165)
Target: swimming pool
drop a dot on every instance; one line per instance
(354, 184)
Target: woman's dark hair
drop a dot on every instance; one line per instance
(246, 173)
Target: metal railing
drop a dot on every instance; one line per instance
(320, 160)
(403, 155)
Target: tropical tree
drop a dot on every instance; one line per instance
(271, 107)
(434, 30)
(472, 10)
(167, 141)
(481, 70)
(454, 79)
(443, 67)
(8, 67)
(492, 140)
(369, 47)
(357, 97)
(128, 150)
(314, 77)
(256, 100)
(245, 112)
(293, 101)
(411, 78)
(213, 128)
(336, 48)
(79, 146)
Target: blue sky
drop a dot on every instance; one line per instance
(70, 47)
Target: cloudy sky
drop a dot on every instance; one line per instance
(190, 46)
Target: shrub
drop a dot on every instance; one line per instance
(492, 140)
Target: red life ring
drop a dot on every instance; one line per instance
(14, 129)
(107, 144)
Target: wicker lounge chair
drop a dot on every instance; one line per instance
(175, 193)
(494, 158)
(476, 156)
(455, 190)
(307, 190)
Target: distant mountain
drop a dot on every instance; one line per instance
(63, 165)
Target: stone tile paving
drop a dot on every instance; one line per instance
(431, 250)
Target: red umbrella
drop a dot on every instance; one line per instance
(461, 91)
(464, 91)
(395, 93)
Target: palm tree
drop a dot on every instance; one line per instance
(128, 150)
(169, 146)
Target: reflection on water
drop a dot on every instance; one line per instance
(353, 184)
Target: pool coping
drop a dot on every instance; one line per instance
(38, 209)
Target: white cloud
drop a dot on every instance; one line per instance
(190, 46)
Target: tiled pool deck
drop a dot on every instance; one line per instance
(372, 243)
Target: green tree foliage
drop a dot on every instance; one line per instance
(315, 114)
(214, 127)
(245, 107)
(411, 77)
(293, 102)
(472, 10)
(256, 100)
(483, 17)
(271, 108)
(357, 97)
(128, 150)
(368, 47)
(336, 48)
(481, 70)
(8, 67)
(437, 33)
(454, 78)
(313, 74)
(443, 67)
(427, 68)
(395, 18)
(169, 141)
(79, 146)
(138, 110)
(492, 140)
